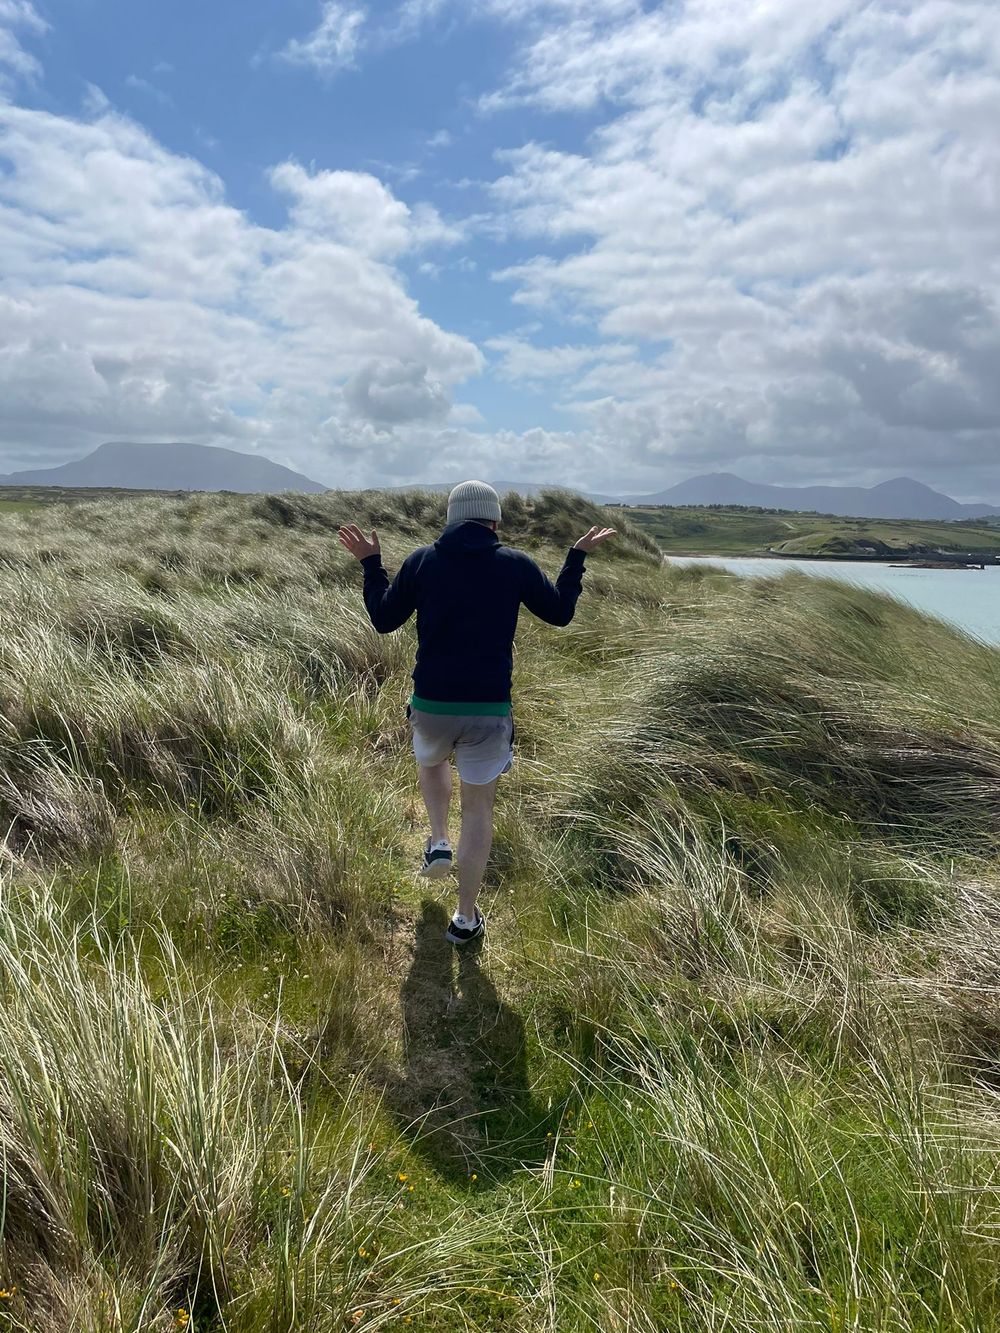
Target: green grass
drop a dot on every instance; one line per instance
(729, 1057)
(24, 498)
(710, 531)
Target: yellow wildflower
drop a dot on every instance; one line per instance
(402, 1177)
(597, 1277)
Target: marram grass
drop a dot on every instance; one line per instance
(729, 1058)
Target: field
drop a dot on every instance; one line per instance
(28, 499)
(728, 1060)
(709, 531)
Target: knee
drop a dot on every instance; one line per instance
(478, 819)
(476, 804)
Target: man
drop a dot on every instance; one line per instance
(467, 591)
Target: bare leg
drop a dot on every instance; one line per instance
(435, 787)
(475, 842)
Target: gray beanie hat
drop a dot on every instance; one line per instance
(473, 499)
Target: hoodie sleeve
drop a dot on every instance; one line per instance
(389, 605)
(554, 603)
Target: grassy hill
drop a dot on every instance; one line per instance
(729, 1057)
(709, 531)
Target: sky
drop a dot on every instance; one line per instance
(607, 244)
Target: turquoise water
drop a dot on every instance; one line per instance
(969, 598)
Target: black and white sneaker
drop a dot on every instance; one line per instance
(437, 860)
(463, 931)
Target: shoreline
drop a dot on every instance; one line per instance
(890, 561)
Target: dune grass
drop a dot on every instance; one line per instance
(729, 1059)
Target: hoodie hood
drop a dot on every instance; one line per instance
(467, 538)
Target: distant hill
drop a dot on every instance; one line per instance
(529, 489)
(199, 467)
(169, 467)
(900, 498)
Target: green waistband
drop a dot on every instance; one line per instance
(461, 707)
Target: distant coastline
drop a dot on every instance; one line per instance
(753, 534)
(990, 562)
(899, 562)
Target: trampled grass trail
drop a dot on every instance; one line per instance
(728, 1059)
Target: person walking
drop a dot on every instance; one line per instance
(467, 591)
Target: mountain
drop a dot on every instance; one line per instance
(529, 489)
(901, 498)
(169, 467)
(199, 467)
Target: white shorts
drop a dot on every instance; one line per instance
(483, 746)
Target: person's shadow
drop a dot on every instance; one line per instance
(464, 1097)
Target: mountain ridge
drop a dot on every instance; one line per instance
(168, 467)
(900, 497)
(198, 467)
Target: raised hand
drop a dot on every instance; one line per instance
(593, 538)
(355, 541)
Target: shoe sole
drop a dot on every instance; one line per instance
(436, 870)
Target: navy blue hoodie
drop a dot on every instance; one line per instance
(467, 591)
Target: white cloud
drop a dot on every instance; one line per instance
(136, 302)
(334, 42)
(390, 393)
(18, 18)
(413, 14)
(358, 210)
(22, 13)
(144, 86)
(621, 50)
(428, 453)
(777, 254)
(794, 208)
(524, 362)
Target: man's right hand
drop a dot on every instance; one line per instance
(355, 541)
